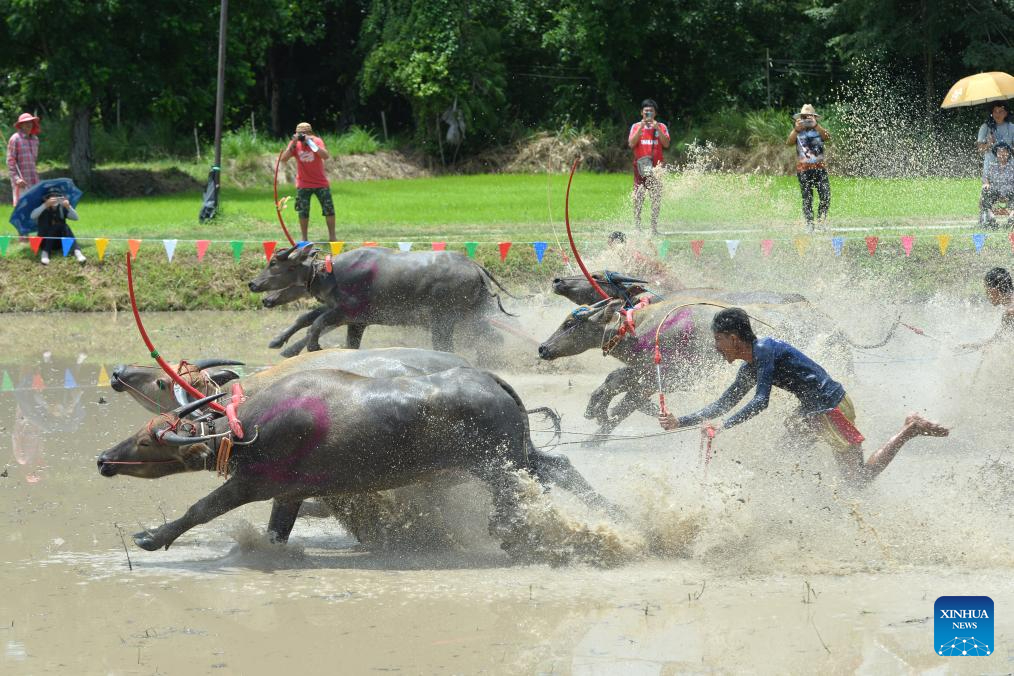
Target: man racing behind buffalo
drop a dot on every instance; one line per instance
(825, 409)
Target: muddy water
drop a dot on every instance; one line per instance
(761, 564)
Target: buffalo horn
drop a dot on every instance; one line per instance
(208, 363)
(624, 279)
(285, 253)
(173, 439)
(223, 376)
(184, 411)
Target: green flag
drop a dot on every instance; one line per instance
(663, 249)
(4, 241)
(237, 249)
(470, 247)
(7, 384)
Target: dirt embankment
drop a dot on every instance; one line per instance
(125, 182)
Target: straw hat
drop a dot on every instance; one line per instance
(304, 128)
(807, 109)
(28, 117)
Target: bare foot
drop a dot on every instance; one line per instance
(916, 424)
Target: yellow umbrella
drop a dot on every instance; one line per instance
(981, 88)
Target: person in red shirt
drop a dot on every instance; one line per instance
(647, 139)
(311, 179)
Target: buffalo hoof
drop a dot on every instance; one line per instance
(292, 350)
(146, 541)
(276, 343)
(313, 347)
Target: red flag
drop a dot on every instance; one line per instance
(504, 248)
(871, 244)
(37, 383)
(697, 245)
(766, 245)
(439, 246)
(202, 248)
(369, 244)
(269, 248)
(1011, 238)
(134, 245)
(36, 242)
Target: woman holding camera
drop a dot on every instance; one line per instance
(647, 138)
(809, 137)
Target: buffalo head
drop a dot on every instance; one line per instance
(582, 330)
(154, 390)
(578, 290)
(166, 445)
(288, 267)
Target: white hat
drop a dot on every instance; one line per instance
(807, 109)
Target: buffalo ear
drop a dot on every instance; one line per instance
(605, 314)
(306, 251)
(223, 376)
(284, 254)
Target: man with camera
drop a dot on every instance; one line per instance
(311, 179)
(809, 137)
(647, 139)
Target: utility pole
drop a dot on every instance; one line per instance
(210, 206)
(767, 73)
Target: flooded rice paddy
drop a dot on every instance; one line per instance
(762, 564)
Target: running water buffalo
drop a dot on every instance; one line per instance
(325, 432)
(373, 285)
(577, 289)
(685, 340)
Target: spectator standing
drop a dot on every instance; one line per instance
(647, 139)
(311, 178)
(22, 153)
(811, 170)
(997, 184)
(52, 216)
(996, 129)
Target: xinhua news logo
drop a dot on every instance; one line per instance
(963, 626)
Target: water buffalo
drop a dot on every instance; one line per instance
(374, 285)
(325, 432)
(577, 289)
(686, 342)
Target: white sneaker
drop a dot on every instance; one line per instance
(44, 259)
(79, 256)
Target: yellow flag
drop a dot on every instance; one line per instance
(100, 245)
(802, 244)
(103, 380)
(336, 248)
(943, 241)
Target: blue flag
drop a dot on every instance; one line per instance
(68, 243)
(978, 239)
(68, 380)
(837, 243)
(540, 250)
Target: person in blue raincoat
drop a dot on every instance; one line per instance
(52, 216)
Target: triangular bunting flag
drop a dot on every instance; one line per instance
(301, 243)
(802, 244)
(134, 245)
(103, 380)
(4, 241)
(1011, 238)
(871, 244)
(170, 248)
(565, 257)
(369, 244)
(732, 245)
(269, 249)
(440, 246)
(68, 380)
(35, 243)
(405, 246)
(697, 245)
(978, 239)
(470, 248)
(906, 244)
(336, 247)
(766, 245)
(943, 241)
(100, 246)
(202, 248)
(663, 248)
(7, 385)
(540, 250)
(38, 383)
(66, 243)
(504, 248)
(837, 243)
(237, 248)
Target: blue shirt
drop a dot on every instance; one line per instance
(775, 363)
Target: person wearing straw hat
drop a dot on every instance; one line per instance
(311, 178)
(22, 153)
(809, 137)
(825, 410)
(52, 216)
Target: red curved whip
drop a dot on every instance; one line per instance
(151, 348)
(278, 209)
(570, 235)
